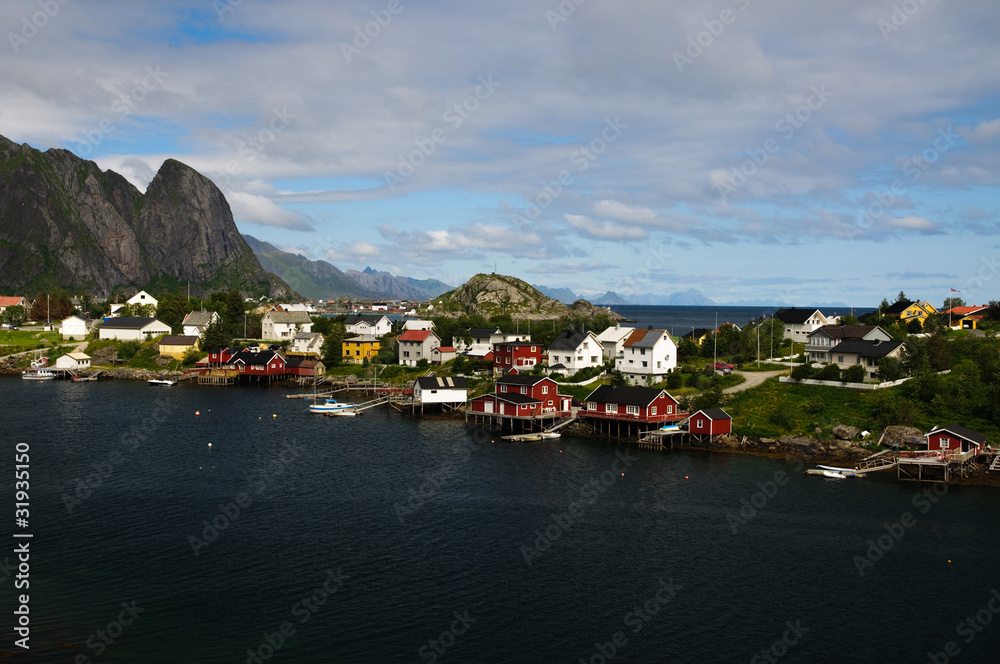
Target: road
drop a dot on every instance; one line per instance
(752, 379)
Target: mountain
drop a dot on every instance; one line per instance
(317, 280)
(609, 298)
(692, 297)
(491, 294)
(564, 295)
(65, 223)
(387, 285)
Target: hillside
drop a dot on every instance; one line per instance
(492, 294)
(385, 284)
(65, 223)
(317, 280)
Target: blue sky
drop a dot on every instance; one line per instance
(752, 149)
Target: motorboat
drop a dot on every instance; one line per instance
(332, 407)
(161, 382)
(37, 374)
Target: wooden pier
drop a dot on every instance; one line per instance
(935, 466)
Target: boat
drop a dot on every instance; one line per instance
(37, 374)
(342, 413)
(161, 382)
(834, 475)
(837, 472)
(524, 437)
(332, 407)
(83, 379)
(547, 435)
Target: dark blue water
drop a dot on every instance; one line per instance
(678, 320)
(410, 541)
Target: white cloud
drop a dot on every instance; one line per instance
(252, 209)
(605, 230)
(913, 223)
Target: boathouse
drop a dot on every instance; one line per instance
(220, 355)
(523, 397)
(710, 422)
(955, 438)
(450, 392)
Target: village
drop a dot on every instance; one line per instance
(640, 385)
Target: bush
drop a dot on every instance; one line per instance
(803, 372)
(675, 380)
(829, 372)
(128, 349)
(854, 374)
(191, 355)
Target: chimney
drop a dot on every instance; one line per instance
(650, 327)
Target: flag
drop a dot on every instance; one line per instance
(955, 291)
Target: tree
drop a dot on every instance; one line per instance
(51, 305)
(993, 311)
(889, 369)
(914, 326)
(849, 319)
(901, 298)
(13, 315)
(803, 371)
(939, 354)
(829, 372)
(950, 302)
(215, 336)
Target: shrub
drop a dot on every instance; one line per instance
(675, 380)
(128, 349)
(829, 372)
(803, 372)
(854, 374)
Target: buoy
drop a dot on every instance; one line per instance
(685, 477)
(197, 413)
(210, 444)
(275, 415)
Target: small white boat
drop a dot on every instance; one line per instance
(37, 374)
(837, 472)
(161, 382)
(524, 437)
(332, 407)
(834, 475)
(343, 413)
(548, 435)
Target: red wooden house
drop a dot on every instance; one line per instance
(519, 355)
(523, 396)
(711, 422)
(220, 355)
(955, 438)
(631, 404)
(261, 363)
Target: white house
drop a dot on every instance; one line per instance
(73, 361)
(417, 324)
(437, 389)
(76, 327)
(368, 325)
(483, 338)
(822, 342)
(647, 356)
(613, 339)
(572, 350)
(132, 328)
(142, 298)
(279, 325)
(416, 345)
(196, 322)
(306, 343)
(800, 322)
(301, 306)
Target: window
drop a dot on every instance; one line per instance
(611, 408)
(670, 409)
(645, 363)
(642, 351)
(532, 349)
(406, 353)
(632, 410)
(591, 405)
(657, 364)
(524, 390)
(586, 345)
(503, 388)
(840, 359)
(945, 443)
(652, 410)
(545, 389)
(699, 423)
(508, 360)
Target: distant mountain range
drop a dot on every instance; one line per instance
(691, 297)
(320, 280)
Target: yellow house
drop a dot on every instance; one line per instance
(176, 345)
(357, 349)
(917, 311)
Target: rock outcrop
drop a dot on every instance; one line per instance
(491, 294)
(65, 222)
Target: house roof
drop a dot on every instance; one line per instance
(515, 397)
(795, 316)
(418, 336)
(522, 380)
(965, 311)
(558, 367)
(627, 395)
(844, 331)
(615, 333)
(262, 357)
(178, 340)
(307, 335)
(303, 362)
(897, 307)
(516, 343)
(644, 338)
(442, 383)
(363, 339)
(371, 319)
(866, 348)
(481, 332)
(130, 323)
(445, 349)
(962, 432)
(696, 333)
(714, 414)
(10, 300)
(199, 318)
(568, 340)
(78, 356)
(288, 317)
(85, 319)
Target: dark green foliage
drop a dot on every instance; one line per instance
(854, 374)
(803, 371)
(215, 336)
(423, 363)
(675, 380)
(889, 369)
(128, 349)
(829, 372)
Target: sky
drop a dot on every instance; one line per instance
(753, 149)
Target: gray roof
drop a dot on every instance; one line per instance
(371, 319)
(866, 348)
(648, 340)
(568, 340)
(442, 383)
(962, 432)
(306, 335)
(793, 315)
(844, 331)
(629, 396)
(129, 323)
(198, 318)
(714, 414)
(482, 332)
(289, 317)
(178, 340)
(521, 380)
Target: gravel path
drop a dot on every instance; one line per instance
(753, 379)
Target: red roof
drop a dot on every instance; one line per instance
(10, 300)
(446, 349)
(414, 335)
(961, 311)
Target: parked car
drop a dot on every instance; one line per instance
(723, 365)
